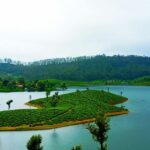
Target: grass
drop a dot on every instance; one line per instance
(144, 81)
(26, 117)
(75, 106)
(11, 90)
(88, 83)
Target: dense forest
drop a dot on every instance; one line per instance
(84, 68)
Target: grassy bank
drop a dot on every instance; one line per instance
(73, 108)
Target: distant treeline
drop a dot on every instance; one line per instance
(98, 67)
(12, 84)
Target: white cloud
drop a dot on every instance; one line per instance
(39, 29)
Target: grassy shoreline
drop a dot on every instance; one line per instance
(34, 105)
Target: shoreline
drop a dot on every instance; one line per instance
(59, 125)
(81, 85)
(34, 105)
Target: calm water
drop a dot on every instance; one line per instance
(20, 98)
(128, 132)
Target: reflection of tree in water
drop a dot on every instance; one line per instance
(55, 134)
(54, 138)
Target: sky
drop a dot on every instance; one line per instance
(40, 29)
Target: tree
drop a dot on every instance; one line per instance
(54, 100)
(63, 86)
(34, 143)
(30, 97)
(9, 103)
(41, 85)
(48, 92)
(99, 129)
(78, 147)
(21, 81)
(5, 83)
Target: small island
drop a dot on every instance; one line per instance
(74, 108)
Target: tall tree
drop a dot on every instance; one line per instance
(99, 130)
(54, 100)
(34, 143)
(9, 103)
(48, 92)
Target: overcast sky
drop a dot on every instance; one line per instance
(40, 29)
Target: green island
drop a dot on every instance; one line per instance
(73, 108)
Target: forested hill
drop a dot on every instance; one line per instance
(80, 68)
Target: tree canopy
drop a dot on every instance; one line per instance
(81, 68)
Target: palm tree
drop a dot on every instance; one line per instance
(78, 147)
(99, 129)
(54, 100)
(9, 103)
(34, 143)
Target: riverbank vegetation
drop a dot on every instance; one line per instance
(18, 84)
(79, 71)
(72, 108)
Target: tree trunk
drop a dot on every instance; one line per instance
(102, 146)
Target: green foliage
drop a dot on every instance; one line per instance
(80, 104)
(10, 85)
(27, 117)
(99, 129)
(141, 81)
(35, 143)
(73, 106)
(54, 100)
(78, 147)
(63, 86)
(99, 67)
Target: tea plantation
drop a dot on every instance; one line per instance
(79, 105)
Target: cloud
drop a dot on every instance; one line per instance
(35, 29)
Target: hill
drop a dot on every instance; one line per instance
(99, 67)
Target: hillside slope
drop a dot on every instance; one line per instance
(82, 68)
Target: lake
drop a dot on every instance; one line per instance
(128, 132)
(20, 98)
